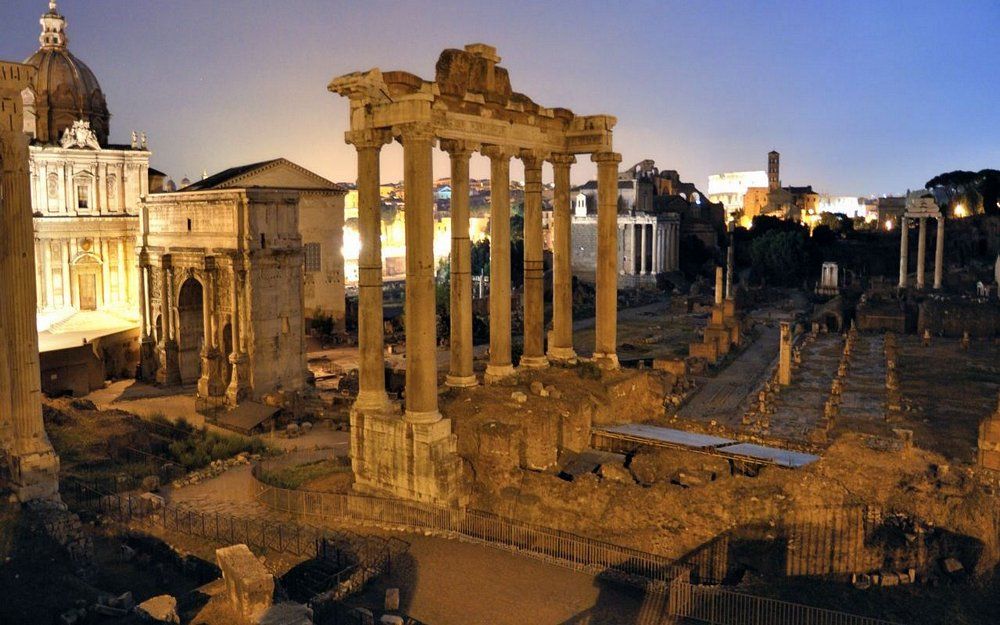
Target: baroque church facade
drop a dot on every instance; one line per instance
(85, 191)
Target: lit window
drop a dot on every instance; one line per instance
(82, 196)
(312, 256)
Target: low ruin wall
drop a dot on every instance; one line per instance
(979, 319)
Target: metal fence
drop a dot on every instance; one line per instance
(554, 546)
(718, 606)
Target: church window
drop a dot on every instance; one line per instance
(82, 196)
(312, 256)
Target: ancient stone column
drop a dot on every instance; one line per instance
(605, 344)
(104, 249)
(718, 286)
(500, 366)
(144, 320)
(421, 326)
(34, 466)
(939, 253)
(371, 330)
(237, 388)
(643, 259)
(460, 373)
(169, 373)
(921, 251)
(534, 264)
(904, 245)
(730, 261)
(561, 339)
(785, 355)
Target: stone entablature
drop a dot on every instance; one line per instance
(221, 291)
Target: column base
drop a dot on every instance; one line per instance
(606, 361)
(238, 388)
(422, 417)
(169, 374)
(563, 355)
(372, 403)
(460, 381)
(34, 470)
(497, 373)
(534, 362)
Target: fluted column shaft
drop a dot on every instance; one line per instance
(371, 329)
(460, 373)
(561, 341)
(904, 245)
(122, 282)
(17, 274)
(643, 263)
(499, 366)
(605, 345)
(533, 355)
(419, 308)
(939, 252)
(921, 251)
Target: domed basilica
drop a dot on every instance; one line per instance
(85, 195)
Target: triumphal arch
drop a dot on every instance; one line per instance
(33, 465)
(220, 294)
(469, 107)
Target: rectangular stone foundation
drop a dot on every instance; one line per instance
(35, 474)
(416, 461)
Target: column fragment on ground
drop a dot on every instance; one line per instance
(371, 363)
(605, 344)
(460, 373)
(33, 464)
(534, 265)
(561, 340)
(499, 366)
(419, 308)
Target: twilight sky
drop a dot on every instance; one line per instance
(859, 97)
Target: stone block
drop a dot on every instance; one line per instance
(160, 609)
(392, 599)
(677, 366)
(249, 585)
(989, 459)
(708, 351)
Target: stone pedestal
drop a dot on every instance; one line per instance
(988, 455)
(170, 373)
(249, 585)
(416, 461)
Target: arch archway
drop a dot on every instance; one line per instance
(191, 330)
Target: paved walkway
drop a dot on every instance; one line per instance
(725, 397)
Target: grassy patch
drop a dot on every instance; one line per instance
(295, 476)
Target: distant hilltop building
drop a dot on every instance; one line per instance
(793, 203)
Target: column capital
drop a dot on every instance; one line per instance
(602, 158)
(414, 131)
(562, 159)
(370, 138)
(532, 159)
(458, 148)
(498, 152)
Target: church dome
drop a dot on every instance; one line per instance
(65, 88)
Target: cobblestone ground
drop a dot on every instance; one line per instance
(799, 406)
(724, 398)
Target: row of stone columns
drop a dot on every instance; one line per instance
(656, 256)
(904, 241)
(421, 404)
